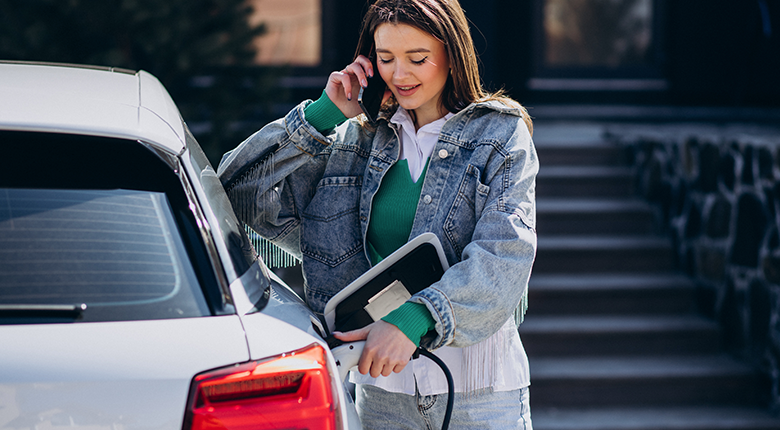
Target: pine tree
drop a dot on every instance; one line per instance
(201, 50)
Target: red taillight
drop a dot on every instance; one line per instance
(291, 391)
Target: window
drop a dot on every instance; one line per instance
(233, 235)
(293, 32)
(602, 33)
(598, 45)
(116, 251)
(95, 172)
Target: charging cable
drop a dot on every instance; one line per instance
(450, 385)
(347, 356)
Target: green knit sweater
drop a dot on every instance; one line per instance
(392, 211)
(392, 216)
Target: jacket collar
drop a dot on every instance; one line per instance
(510, 107)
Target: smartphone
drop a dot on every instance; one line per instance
(370, 97)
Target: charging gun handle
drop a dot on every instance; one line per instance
(347, 356)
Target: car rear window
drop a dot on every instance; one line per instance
(109, 254)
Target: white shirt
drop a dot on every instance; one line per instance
(417, 146)
(499, 361)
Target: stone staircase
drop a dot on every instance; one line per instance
(612, 333)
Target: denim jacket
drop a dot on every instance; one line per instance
(311, 195)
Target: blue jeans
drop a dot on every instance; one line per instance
(383, 410)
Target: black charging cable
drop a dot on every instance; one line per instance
(450, 385)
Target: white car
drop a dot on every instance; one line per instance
(130, 296)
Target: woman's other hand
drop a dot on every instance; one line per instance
(387, 348)
(343, 86)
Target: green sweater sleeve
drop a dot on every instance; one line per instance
(413, 319)
(323, 114)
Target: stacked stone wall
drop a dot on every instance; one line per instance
(716, 190)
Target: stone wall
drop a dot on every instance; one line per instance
(716, 190)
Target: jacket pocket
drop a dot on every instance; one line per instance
(466, 210)
(330, 231)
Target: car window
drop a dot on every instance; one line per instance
(116, 251)
(51, 163)
(242, 253)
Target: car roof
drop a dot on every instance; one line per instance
(99, 101)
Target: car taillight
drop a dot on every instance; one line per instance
(290, 391)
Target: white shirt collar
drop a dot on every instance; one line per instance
(416, 147)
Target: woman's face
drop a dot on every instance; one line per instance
(415, 67)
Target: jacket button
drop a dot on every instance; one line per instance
(443, 154)
(427, 199)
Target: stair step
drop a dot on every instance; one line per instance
(589, 254)
(589, 294)
(612, 331)
(583, 154)
(594, 216)
(671, 418)
(645, 381)
(588, 181)
(619, 335)
(547, 132)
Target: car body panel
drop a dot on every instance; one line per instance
(136, 373)
(156, 101)
(285, 304)
(284, 308)
(94, 102)
(257, 326)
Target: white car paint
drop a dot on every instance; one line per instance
(93, 102)
(113, 375)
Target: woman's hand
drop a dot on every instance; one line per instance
(387, 348)
(343, 87)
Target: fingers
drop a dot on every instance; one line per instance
(373, 363)
(359, 69)
(362, 69)
(352, 336)
(367, 65)
(358, 72)
(342, 79)
(387, 350)
(376, 361)
(343, 86)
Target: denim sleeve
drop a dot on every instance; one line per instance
(272, 175)
(478, 294)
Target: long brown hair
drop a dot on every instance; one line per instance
(444, 20)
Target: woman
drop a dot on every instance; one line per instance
(444, 157)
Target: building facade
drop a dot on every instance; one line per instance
(692, 52)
